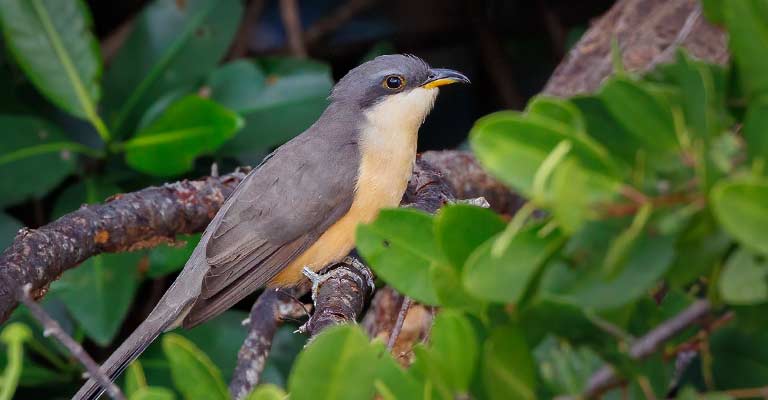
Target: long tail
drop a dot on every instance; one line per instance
(168, 314)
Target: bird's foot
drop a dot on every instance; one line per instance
(316, 280)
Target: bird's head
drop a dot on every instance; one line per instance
(395, 81)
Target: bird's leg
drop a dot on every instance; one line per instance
(316, 280)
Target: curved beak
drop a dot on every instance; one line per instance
(442, 76)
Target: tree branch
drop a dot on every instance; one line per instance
(289, 12)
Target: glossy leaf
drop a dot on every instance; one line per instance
(645, 264)
(153, 393)
(744, 280)
(742, 209)
(172, 44)
(748, 36)
(513, 147)
(193, 373)
(400, 247)
(52, 42)
(278, 97)
(394, 383)
(99, 293)
(459, 229)
(188, 128)
(508, 368)
(267, 392)
(336, 357)
(562, 111)
(755, 128)
(30, 145)
(135, 380)
(644, 115)
(505, 278)
(453, 345)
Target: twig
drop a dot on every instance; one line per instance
(239, 46)
(399, 323)
(267, 313)
(51, 327)
(289, 11)
(341, 15)
(606, 378)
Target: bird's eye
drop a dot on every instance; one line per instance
(394, 82)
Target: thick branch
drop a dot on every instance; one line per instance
(124, 222)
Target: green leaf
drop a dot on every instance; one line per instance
(9, 227)
(30, 145)
(566, 369)
(744, 280)
(99, 293)
(13, 336)
(754, 130)
(742, 209)
(575, 194)
(556, 109)
(645, 116)
(740, 359)
(513, 147)
(713, 10)
(188, 128)
(52, 42)
(401, 248)
(153, 393)
(336, 358)
(508, 368)
(645, 264)
(188, 39)
(701, 103)
(460, 229)
(605, 129)
(748, 34)
(454, 347)
(166, 259)
(135, 381)
(89, 191)
(194, 375)
(394, 383)
(267, 392)
(505, 278)
(278, 97)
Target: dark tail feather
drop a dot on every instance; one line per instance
(131, 349)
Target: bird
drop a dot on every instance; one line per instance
(298, 210)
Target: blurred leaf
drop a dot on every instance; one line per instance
(745, 279)
(13, 336)
(152, 393)
(394, 383)
(605, 129)
(505, 278)
(190, 127)
(135, 381)
(755, 128)
(644, 115)
(748, 34)
(562, 111)
(454, 347)
(267, 392)
(401, 248)
(278, 97)
(99, 293)
(700, 100)
(622, 245)
(172, 44)
(565, 369)
(646, 263)
(30, 145)
(8, 229)
(740, 359)
(52, 42)
(193, 373)
(742, 209)
(576, 193)
(459, 229)
(508, 368)
(713, 10)
(166, 259)
(513, 147)
(336, 358)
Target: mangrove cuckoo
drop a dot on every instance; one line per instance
(301, 206)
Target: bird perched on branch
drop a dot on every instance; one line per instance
(301, 206)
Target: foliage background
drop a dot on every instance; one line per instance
(83, 121)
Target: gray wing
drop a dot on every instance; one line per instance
(278, 211)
